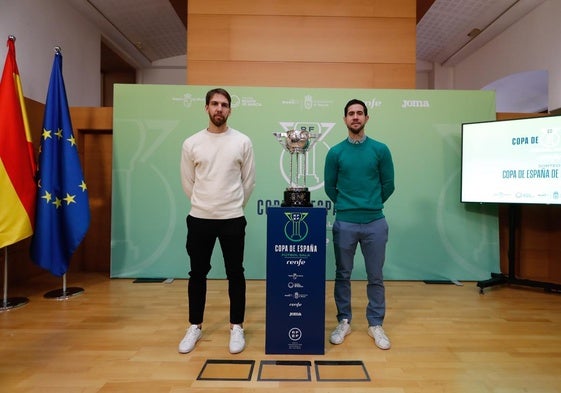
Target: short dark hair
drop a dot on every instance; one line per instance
(220, 91)
(353, 102)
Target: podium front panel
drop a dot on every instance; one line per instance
(295, 310)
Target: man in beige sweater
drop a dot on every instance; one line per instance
(218, 176)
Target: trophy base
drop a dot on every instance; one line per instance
(296, 197)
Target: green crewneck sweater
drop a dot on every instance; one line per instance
(359, 178)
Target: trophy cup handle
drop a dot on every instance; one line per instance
(281, 138)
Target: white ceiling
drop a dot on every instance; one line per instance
(145, 31)
(140, 31)
(442, 38)
(442, 33)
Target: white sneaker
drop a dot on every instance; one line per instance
(377, 333)
(341, 331)
(237, 339)
(193, 335)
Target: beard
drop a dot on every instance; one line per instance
(355, 130)
(218, 120)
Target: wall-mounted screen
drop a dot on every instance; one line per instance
(512, 161)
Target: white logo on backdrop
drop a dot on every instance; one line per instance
(188, 100)
(314, 160)
(415, 104)
(308, 102)
(373, 103)
(238, 101)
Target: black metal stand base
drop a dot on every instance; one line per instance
(63, 294)
(13, 302)
(501, 279)
(496, 279)
(510, 278)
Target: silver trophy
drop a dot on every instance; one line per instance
(297, 143)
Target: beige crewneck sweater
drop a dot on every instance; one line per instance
(217, 173)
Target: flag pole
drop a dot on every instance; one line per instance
(13, 302)
(63, 293)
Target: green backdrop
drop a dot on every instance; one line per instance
(432, 235)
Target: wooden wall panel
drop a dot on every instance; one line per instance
(95, 250)
(108, 81)
(539, 243)
(302, 43)
(362, 8)
(307, 39)
(328, 75)
(93, 128)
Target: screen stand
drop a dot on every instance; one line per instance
(510, 278)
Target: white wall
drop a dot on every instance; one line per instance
(171, 71)
(39, 26)
(530, 44)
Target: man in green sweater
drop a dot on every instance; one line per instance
(359, 178)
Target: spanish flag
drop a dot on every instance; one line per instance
(17, 160)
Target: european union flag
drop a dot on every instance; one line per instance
(63, 211)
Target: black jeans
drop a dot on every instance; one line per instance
(201, 237)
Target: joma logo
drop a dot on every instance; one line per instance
(415, 104)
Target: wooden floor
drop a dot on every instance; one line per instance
(120, 336)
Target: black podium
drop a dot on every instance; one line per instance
(295, 310)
